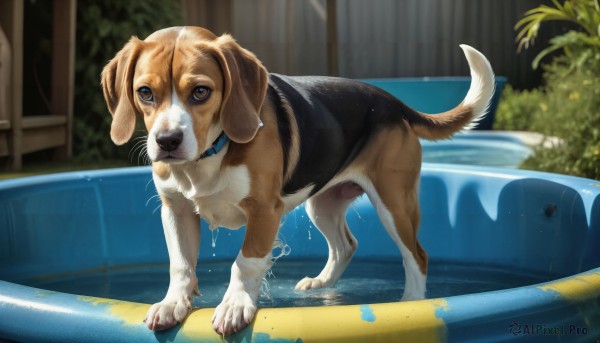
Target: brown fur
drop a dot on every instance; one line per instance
(443, 125)
(395, 174)
(263, 206)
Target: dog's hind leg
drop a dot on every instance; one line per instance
(327, 211)
(401, 223)
(392, 188)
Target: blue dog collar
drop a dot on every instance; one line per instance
(217, 146)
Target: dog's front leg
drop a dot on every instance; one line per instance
(182, 233)
(238, 307)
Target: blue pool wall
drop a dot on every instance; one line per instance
(437, 94)
(527, 221)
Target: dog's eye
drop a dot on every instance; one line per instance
(200, 94)
(145, 94)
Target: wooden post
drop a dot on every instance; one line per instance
(332, 38)
(5, 92)
(11, 17)
(63, 69)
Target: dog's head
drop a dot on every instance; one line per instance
(188, 85)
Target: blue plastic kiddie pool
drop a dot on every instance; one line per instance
(515, 255)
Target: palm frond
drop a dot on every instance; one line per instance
(584, 13)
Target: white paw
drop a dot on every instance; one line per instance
(234, 313)
(167, 313)
(309, 283)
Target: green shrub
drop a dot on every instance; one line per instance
(573, 115)
(517, 109)
(103, 27)
(568, 106)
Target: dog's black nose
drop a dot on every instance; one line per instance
(169, 140)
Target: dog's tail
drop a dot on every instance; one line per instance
(469, 111)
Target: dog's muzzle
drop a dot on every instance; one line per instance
(169, 141)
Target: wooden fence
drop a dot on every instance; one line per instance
(377, 38)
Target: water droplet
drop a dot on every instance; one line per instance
(265, 289)
(356, 211)
(215, 235)
(282, 246)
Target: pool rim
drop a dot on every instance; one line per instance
(438, 319)
(424, 320)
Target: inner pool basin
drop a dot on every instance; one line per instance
(514, 256)
(483, 148)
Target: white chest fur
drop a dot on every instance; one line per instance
(215, 193)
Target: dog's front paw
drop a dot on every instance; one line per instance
(234, 313)
(167, 313)
(309, 283)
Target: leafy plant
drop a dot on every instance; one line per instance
(517, 109)
(103, 27)
(585, 14)
(572, 104)
(568, 105)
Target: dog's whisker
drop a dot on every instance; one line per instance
(131, 151)
(139, 140)
(137, 146)
(148, 184)
(142, 160)
(146, 157)
(141, 144)
(143, 153)
(154, 197)
(132, 154)
(141, 150)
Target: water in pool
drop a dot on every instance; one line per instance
(365, 281)
(477, 152)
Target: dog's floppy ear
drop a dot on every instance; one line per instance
(117, 86)
(245, 87)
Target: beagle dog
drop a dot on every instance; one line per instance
(237, 146)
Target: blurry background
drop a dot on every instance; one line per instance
(51, 105)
